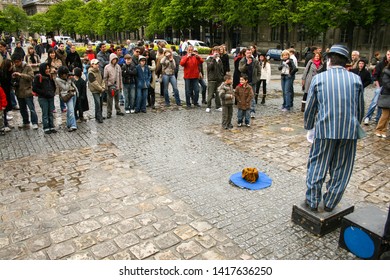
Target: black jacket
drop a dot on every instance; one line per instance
(377, 73)
(73, 60)
(43, 84)
(129, 73)
(364, 75)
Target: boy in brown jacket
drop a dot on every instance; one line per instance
(244, 95)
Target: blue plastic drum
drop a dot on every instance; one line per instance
(359, 242)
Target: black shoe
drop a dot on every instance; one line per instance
(120, 114)
(47, 131)
(230, 126)
(100, 121)
(53, 130)
(108, 117)
(143, 111)
(314, 209)
(327, 209)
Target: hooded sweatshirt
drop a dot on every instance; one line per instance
(43, 84)
(113, 74)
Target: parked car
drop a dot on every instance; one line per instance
(63, 39)
(156, 41)
(274, 54)
(197, 43)
(233, 51)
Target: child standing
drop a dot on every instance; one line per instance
(96, 86)
(225, 91)
(82, 99)
(143, 83)
(86, 65)
(244, 95)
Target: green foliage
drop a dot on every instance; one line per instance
(108, 16)
(16, 19)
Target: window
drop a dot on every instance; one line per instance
(275, 34)
(343, 36)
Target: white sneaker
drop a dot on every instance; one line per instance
(208, 110)
(6, 129)
(378, 134)
(240, 124)
(35, 126)
(366, 121)
(9, 117)
(132, 111)
(248, 125)
(252, 115)
(127, 112)
(383, 136)
(219, 109)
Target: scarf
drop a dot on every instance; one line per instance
(317, 63)
(32, 58)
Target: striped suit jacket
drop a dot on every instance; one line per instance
(335, 104)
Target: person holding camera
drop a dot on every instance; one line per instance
(68, 93)
(168, 64)
(190, 62)
(22, 78)
(215, 74)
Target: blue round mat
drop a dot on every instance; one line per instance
(263, 182)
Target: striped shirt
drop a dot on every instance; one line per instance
(335, 104)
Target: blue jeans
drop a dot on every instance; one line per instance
(243, 113)
(142, 94)
(47, 107)
(371, 108)
(286, 89)
(129, 92)
(203, 85)
(62, 105)
(172, 80)
(192, 91)
(253, 101)
(98, 99)
(70, 116)
(23, 104)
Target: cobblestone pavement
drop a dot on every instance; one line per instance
(155, 186)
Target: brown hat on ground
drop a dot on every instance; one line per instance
(250, 174)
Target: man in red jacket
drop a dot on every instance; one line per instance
(190, 62)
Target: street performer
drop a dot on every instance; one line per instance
(335, 109)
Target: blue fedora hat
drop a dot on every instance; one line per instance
(340, 49)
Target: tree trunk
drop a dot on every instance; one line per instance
(282, 37)
(372, 42)
(350, 28)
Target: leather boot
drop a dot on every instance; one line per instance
(263, 99)
(303, 106)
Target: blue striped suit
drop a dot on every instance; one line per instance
(335, 108)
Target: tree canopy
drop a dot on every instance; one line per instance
(102, 17)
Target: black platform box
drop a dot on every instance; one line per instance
(362, 232)
(321, 222)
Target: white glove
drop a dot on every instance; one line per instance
(310, 135)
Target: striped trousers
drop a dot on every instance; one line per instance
(336, 156)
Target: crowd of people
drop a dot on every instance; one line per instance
(127, 76)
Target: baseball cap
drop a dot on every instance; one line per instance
(94, 61)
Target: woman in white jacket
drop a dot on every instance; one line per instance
(265, 77)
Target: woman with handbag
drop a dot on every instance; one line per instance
(68, 93)
(384, 104)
